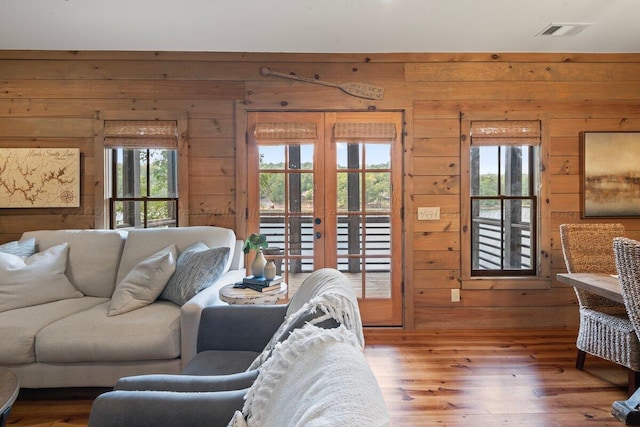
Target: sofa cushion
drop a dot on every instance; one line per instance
(93, 260)
(18, 328)
(24, 247)
(143, 242)
(33, 280)
(149, 333)
(145, 282)
(198, 267)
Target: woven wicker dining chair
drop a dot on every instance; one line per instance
(627, 258)
(605, 329)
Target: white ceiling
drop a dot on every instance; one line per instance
(356, 26)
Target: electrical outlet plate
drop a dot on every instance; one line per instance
(429, 214)
(455, 295)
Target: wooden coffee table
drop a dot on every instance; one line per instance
(9, 388)
(232, 295)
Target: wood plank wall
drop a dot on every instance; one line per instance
(51, 99)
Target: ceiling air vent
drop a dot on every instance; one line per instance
(562, 30)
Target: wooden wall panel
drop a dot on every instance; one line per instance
(51, 99)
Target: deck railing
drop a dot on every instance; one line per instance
(376, 245)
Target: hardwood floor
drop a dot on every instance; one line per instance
(445, 378)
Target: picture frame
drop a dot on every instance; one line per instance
(610, 174)
(39, 177)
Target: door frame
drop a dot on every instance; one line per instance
(241, 200)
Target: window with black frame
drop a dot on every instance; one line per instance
(144, 173)
(503, 197)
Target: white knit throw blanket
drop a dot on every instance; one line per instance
(317, 377)
(326, 290)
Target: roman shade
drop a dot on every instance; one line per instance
(141, 134)
(505, 132)
(365, 131)
(286, 130)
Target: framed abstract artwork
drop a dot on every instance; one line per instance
(610, 174)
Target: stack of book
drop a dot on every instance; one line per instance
(260, 284)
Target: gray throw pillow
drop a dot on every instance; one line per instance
(21, 248)
(197, 268)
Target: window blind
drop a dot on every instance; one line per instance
(505, 132)
(141, 134)
(286, 130)
(365, 130)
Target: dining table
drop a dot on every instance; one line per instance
(608, 286)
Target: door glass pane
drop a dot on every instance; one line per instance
(306, 156)
(378, 190)
(349, 191)
(271, 192)
(378, 156)
(349, 155)
(349, 235)
(300, 243)
(378, 240)
(378, 283)
(271, 156)
(351, 268)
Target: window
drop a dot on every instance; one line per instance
(144, 188)
(503, 199)
(143, 173)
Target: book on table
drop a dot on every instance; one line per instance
(262, 281)
(261, 288)
(260, 284)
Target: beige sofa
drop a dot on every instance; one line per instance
(74, 342)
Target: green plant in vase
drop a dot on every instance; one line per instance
(256, 242)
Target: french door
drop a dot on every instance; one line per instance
(326, 189)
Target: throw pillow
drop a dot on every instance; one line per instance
(142, 285)
(23, 248)
(34, 280)
(198, 267)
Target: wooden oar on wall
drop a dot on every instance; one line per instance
(361, 90)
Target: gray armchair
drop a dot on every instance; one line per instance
(233, 341)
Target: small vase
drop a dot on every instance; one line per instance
(257, 266)
(270, 270)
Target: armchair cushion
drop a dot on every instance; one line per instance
(164, 408)
(187, 383)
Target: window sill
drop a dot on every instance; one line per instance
(506, 283)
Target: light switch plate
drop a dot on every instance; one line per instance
(429, 214)
(455, 295)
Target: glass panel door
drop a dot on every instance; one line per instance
(327, 202)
